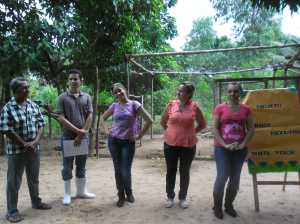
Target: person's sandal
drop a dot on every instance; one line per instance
(42, 206)
(15, 217)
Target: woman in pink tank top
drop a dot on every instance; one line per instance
(233, 129)
(180, 140)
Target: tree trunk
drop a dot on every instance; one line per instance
(6, 96)
(1, 105)
(95, 100)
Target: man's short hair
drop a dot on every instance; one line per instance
(75, 71)
(16, 83)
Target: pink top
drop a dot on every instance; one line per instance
(232, 124)
(180, 124)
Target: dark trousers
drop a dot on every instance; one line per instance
(229, 167)
(68, 162)
(122, 153)
(80, 162)
(16, 165)
(174, 154)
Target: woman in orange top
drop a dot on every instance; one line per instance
(180, 140)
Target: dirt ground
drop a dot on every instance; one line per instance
(149, 189)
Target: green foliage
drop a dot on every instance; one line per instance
(105, 98)
(86, 88)
(46, 94)
(242, 14)
(163, 96)
(47, 38)
(203, 36)
(278, 5)
(204, 96)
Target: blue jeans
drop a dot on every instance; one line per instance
(122, 153)
(229, 166)
(80, 162)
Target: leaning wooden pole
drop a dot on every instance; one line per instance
(293, 59)
(141, 66)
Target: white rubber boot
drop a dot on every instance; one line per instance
(67, 196)
(82, 190)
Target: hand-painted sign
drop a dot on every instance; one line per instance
(275, 146)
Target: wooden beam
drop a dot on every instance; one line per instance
(208, 73)
(260, 79)
(278, 182)
(250, 48)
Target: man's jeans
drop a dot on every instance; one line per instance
(122, 153)
(80, 162)
(229, 166)
(30, 161)
(174, 154)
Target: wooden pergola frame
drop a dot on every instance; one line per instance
(287, 66)
(130, 59)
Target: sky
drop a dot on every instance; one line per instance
(186, 11)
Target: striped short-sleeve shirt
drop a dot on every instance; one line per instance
(24, 120)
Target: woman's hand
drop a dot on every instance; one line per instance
(241, 146)
(232, 147)
(138, 137)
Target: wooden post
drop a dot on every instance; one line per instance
(49, 123)
(299, 177)
(2, 144)
(97, 133)
(266, 84)
(215, 92)
(128, 75)
(298, 88)
(220, 93)
(255, 191)
(152, 111)
(95, 99)
(274, 74)
(142, 102)
(285, 75)
(284, 181)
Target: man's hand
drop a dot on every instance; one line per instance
(30, 146)
(77, 140)
(82, 132)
